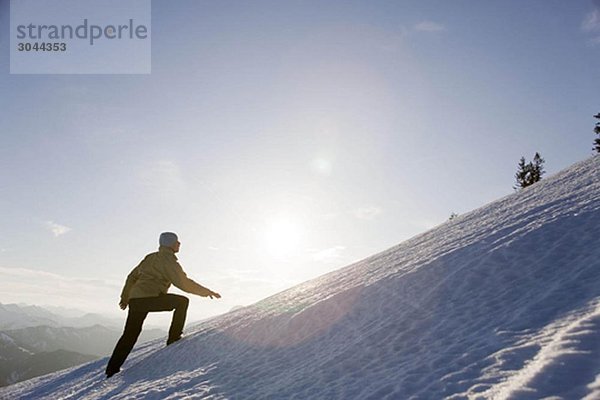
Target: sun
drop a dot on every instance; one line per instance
(282, 237)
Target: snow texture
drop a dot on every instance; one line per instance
(499, 303)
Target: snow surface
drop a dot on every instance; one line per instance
(500, 303)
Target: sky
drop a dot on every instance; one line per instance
(283, 140)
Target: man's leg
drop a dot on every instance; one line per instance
(178, 321)
(133, 327)
(168, 302)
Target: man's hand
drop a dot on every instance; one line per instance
(123, 304)
(214, 294)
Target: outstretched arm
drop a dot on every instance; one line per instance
(181, 281)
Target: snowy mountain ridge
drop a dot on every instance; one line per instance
(499, 303)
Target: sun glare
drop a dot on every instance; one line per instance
(282, 237)
(321, 166)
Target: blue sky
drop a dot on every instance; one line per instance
(283, 139)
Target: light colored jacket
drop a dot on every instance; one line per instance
(155, 274)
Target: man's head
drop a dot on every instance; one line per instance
(169, 239)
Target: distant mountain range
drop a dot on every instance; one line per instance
(21, 363)
(16, 316)
(35, 341)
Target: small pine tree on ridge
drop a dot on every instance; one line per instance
(529, 173)
(597, 132)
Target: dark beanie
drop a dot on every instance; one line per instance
(167, 239)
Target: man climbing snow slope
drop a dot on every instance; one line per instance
(146, 291)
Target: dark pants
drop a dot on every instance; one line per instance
(138, 310)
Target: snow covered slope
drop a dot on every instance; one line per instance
(502, 303)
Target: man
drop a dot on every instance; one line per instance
(146, 291)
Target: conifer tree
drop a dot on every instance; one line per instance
(529, 172)
(597, 131)
(522, 174)
(537, 168)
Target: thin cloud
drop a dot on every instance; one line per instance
(367, 213)
(331, 254)
(429, 26)
(22, 285)
(45, 276)
(57, 229)
(591, 22)
(164, 177)
(591, 25)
